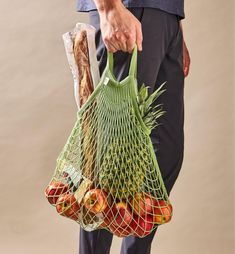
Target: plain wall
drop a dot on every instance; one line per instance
(37, 112)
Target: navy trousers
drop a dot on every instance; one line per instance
(160, 60)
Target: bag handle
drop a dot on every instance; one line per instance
(133, 63)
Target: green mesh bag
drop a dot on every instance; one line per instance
(107, 175)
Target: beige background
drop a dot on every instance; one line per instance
(37, 111)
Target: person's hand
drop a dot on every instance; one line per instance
(120, 29)
(186, 59)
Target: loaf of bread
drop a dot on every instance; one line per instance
(80, 48)
(81, 55)
(85, 88)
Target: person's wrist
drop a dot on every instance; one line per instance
(107, 6)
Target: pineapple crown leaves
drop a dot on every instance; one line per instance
(143, 93)
(155, 95)
(147, 111)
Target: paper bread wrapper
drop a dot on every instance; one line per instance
(77, 62)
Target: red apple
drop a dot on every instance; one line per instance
(68, 206)
(142, 226)
(163, 212)
(143, 203)
(121, 214)
(106, 222)
(54, 190)
(108, 216)
(95, 200)
(119, 231)
(117, 219)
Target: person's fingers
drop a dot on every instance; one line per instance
(185, 72)
(114, 43)
(187, 64)
(139, 37)
(131, 39)
(124, 40)
(111, 47)
(186, 60)
(121, 41)
(184, 63)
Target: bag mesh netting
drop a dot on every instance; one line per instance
(107, 175)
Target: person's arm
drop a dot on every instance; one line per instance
(186, 57)
(120, 29)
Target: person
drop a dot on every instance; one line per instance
(155, 27)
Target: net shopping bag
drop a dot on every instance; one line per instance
(107, 175)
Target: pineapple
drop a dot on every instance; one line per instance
(124, 165)
(122, 171)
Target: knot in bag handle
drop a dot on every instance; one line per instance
(133, 63)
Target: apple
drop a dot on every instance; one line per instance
(142, 226)
(54, 190)
(95, 200)
(108, 216)
(106, 222)
(117, 219)
(68, 206)
(119, 231)
(121, 214)
(163, 212)
(143, 203)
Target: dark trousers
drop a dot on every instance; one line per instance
(160, 60)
